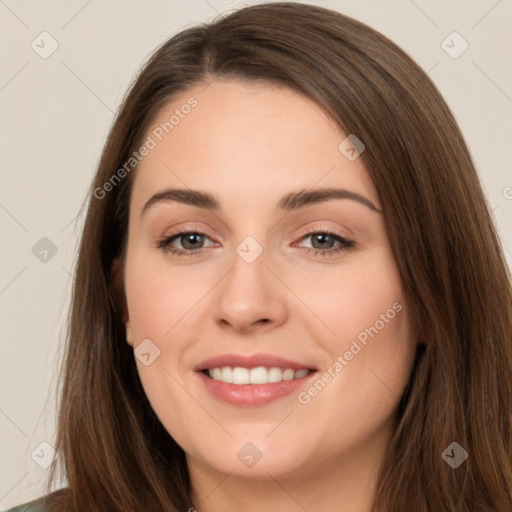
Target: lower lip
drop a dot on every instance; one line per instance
(252, 394)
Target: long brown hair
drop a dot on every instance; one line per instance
(115, 453)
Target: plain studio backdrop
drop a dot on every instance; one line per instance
(65, 68)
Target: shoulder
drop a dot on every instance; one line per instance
(33, 506)
(39, 505)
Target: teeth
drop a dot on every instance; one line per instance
(226, 374)
(288, 374)
(259, 375)
(240, 375)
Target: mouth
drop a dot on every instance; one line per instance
(259, 375)
(252, 380)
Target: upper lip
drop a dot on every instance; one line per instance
(250, 361)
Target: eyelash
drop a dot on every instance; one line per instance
(345, 244)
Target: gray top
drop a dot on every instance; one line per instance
(27, 507)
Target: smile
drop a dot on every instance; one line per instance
(259, 375)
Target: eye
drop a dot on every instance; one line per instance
(323, 243)
(191, 241)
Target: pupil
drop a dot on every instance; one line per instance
(321, 237)
(190, 238)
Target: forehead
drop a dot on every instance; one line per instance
(246, 142)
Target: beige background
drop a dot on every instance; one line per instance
(55, 116)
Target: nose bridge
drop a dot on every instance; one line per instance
(250, 293)
(249, 276)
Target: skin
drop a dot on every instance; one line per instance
(249, 144)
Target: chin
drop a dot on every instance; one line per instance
(255, 457)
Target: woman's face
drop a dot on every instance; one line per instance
(293, 287)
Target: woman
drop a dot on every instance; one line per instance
(289, 292)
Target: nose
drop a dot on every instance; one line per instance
(251, 297)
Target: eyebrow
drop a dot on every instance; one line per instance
(290, 202)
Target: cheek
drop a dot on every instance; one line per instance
(158, 296)
(370, 353)
(158, 301)
(352, 297)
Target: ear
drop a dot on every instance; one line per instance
(129, 333)
(119, 297)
